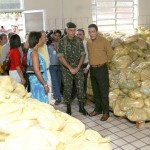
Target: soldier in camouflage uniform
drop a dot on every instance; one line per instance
(71, 55)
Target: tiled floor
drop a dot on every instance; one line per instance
(124, 134)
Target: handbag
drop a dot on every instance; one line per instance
(30, 69)
(6, 64)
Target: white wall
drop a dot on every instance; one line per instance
(144, 13)
(58, 12)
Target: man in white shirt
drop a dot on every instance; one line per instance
(15, 30)
(81, 34)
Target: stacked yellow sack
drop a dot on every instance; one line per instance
(89, 87)
(129, 74)
(28, 124)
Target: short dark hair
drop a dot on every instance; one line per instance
(93, 26)
(81, 31)
(57, 31)
(34, 38)
(10, 34)
(2, 35)
(15, 41)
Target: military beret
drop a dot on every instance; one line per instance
(70, 25)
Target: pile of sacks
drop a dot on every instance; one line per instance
(129, 73)
(27, 124)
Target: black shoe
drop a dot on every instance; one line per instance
(68, 109)
(57, 102)
(82, 109)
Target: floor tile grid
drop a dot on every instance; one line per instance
(125, 140)
(121, 131)
(132, 136)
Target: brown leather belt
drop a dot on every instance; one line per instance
(99, 65)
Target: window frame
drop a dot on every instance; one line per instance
(96, 7)
(21, 9)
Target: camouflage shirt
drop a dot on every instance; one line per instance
(72, 50)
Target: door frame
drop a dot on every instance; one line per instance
(34, 11)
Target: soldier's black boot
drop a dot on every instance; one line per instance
(82, 109)
(68, 109)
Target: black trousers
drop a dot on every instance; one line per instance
(100, 84)
(85, 77)
(27, 84)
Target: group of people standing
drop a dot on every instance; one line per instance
(74, 65)
(69, 60)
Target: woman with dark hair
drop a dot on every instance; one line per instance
(55, 70)
(38, 80)
(15, 70)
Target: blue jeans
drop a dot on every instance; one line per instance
(56, 77)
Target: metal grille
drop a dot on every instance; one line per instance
(7, 5)
(115, 15)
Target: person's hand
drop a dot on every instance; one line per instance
(71, 70)
(74, 70)
(23, 81)
(85, 70)
(46, 88)
(55, 46)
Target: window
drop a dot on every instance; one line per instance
(11, 5)
(115, 15)
(11, 13)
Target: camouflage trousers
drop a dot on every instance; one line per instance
(68, 85)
